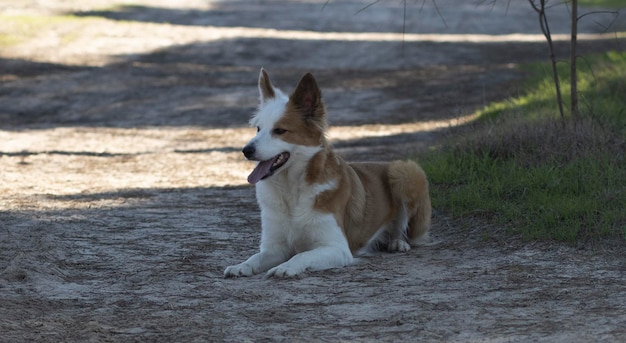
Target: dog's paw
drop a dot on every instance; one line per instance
(242, 269)
(283, 271)
(398, 245)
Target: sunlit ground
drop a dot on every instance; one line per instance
(64, 161)
(161, 157)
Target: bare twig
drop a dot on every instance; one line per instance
(540, 7)
(404, 14)
(367, 6)
(605, 27)
(403, 26)
(492, 3)
(439, 13)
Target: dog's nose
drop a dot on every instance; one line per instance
(248, 151)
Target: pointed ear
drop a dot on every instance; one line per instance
(266, 89)
(307, 95)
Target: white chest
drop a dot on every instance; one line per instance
(288, 214)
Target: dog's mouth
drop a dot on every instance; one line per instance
(265, 169)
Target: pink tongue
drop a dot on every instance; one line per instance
(261, 170)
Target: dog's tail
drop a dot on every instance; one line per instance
(410, 185)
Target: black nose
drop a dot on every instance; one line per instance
(248, 151)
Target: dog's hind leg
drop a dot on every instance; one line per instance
(396, 232)
(419, 223)
(409, 185)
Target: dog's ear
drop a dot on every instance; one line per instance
(307, 95)
(266, 89)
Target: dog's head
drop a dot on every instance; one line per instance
(290, 129)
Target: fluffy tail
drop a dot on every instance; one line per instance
(410, 185)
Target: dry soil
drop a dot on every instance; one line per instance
(122, 185)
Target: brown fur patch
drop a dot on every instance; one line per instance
(379, 205)
(369, 195)
(300, 130)
(409, 183)
(305, 115)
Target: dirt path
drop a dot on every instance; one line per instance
(123, 195)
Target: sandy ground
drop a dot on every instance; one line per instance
(123, 195)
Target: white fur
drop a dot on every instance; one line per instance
(269, 113)
(270, 110)
(295, 237)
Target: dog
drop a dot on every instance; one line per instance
(317, 211)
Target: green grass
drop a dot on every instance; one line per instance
(601, 89)
(603, 3)
(519, 167)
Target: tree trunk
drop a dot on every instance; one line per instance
(572, 59)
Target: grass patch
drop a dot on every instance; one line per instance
(603, 3)
(601, 89)
(521, 168)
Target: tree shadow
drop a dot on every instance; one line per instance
(414, 17)
(311, 16)
(212, 84)
(202, 85)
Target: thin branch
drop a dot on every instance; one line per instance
(439, 13)
(492, 3)
(366, 7)
(545, 28)
(403, 26)
(605, 27)
(534, 6)
(615, 13)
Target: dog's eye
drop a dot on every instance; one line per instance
(279, 131)
(258, 129)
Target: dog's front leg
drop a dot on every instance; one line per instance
(326, 257)
(257, 263)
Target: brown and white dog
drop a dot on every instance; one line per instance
(317, 211)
